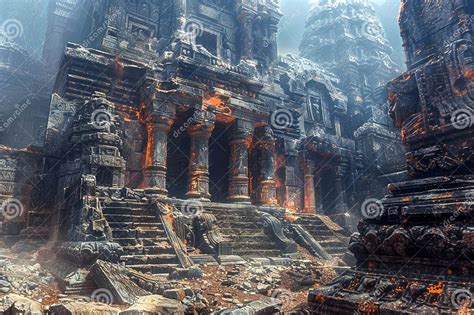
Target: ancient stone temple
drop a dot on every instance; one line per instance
(166, 141)
(414, 255)
(185, 110)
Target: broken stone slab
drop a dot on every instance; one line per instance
(186, 273)
(265, 306)
(204, 260)
(279, 261)
(69, 307)
(154, 304)
(113, 277)
(178, 294)
(16, 304)
(231, 260)
(261, 261)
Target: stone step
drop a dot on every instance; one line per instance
(250, 238)
(320, 232)
(150, 259)
(331, 243)
(131, 225)
(125, 203)
(137, 233)
(149, 250)
(257, 253)
(140, 241)
(155, 268)
(228, 208)
(253, 245)
(316, 221)
(129, 218)
(336, 250)
(240, 225)
(125, 210)
(316, 227)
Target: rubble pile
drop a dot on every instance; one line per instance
(21, 274)
(284, 279)
(256, 286)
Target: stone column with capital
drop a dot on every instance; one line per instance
(309, 190)
(200, 132)
(265, 190)
(158, 127)
(239, 159)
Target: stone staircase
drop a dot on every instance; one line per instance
(243, 225)
(141, 233)
(326, 233)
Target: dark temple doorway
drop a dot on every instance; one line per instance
(219, 162)
(179, 148)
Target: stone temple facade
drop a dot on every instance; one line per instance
(176, 122)
(347, 38)
(415, 255)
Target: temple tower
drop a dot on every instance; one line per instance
(347, 38)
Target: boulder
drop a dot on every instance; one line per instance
(70, 307)
(16, 304)
(154, 304)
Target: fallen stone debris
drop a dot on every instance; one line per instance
(31, 283)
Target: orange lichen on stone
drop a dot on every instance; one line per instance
(469, 74)
(217, 103)
(436, 288)
(443, 196)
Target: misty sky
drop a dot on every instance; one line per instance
(296, 12)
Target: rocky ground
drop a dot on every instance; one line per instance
(26, 285)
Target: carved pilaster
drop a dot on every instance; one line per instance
(246, 19)
(200, 132)
(157, 148)
(265, 190)
(309, 190)
(239, 168)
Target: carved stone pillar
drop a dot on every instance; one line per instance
(157, 149)
(200, 132)
(265, 190)
(246, 19)
(239, 159)
(309, 190)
